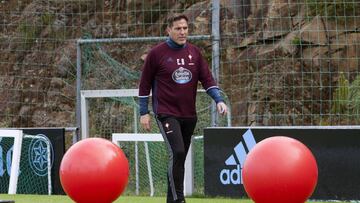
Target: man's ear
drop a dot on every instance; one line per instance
(168, 29)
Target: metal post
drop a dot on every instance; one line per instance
(84, 122)
(136, 156)
(215, 52)
(147, 155)
(189, 170)
(15, 162)
(137, 168)
(78, 88)
(149, 168)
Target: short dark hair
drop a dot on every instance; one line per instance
(175, 17)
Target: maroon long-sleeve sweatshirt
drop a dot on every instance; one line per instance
(173, 75)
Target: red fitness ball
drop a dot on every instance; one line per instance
(94, 170)
(280, 169)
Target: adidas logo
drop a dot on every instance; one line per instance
(234, 164)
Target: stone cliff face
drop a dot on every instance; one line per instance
(278, 64)
(291, 62)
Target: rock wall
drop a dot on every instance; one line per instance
(279, 66)
(284, 68)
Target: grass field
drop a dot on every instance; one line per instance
(122, 199)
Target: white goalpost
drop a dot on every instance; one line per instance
(48, 157)
(13, 163)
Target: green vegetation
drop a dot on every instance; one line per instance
(122, 199)
(354, 96)
(334, 9)
(340, 97)
(47, 18)
(28, 32)
(31, 28)
(296, 41)
(346, 98)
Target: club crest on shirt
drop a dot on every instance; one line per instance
(182, 75)
(190, 63)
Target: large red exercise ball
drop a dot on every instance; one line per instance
(94, 170)
(280, 170)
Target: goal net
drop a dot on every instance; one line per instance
(148, 160)
(25, 163)
(109, 104)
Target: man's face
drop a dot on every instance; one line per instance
(178, 31)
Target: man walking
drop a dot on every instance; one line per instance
(172, 71)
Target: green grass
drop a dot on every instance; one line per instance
(122, 199)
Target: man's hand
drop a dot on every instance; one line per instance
(221, 108)
(145, 121)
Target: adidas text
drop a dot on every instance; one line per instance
(231, 176)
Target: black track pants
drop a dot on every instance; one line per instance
(177, 134)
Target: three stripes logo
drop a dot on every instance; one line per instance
(231, 174)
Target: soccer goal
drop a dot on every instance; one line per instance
(17, 136)
(114, 114)
(25, 163)
(120, 138)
